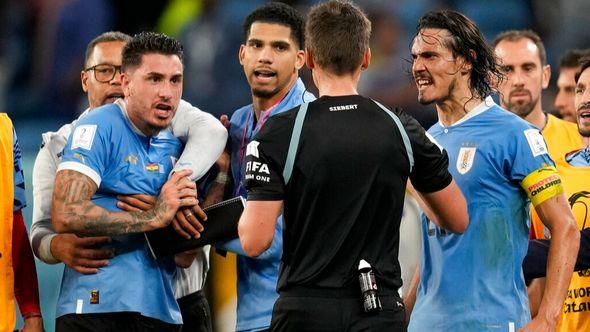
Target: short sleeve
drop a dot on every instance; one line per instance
(20, 200)
(431, 162)
(529, 153)
(87, 149)
(265, 160)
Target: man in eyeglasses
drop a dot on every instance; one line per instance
(101, 80)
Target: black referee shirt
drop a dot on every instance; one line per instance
(344, 199)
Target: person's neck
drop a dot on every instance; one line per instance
(264, 103)
(537, 117)
(330, 84)
(585, 140)
(457, 106)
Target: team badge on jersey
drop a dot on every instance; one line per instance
(536, 142)
(465, 159)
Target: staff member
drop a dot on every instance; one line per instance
(342, 183)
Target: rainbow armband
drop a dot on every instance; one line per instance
(542, 184)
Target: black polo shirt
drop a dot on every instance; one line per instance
(343, 201)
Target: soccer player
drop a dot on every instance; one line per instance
(566, 84)
(339, 166)
(125, 148)
(473, 281)
(204, 139)
(271, 55)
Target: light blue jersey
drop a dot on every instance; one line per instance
(106, 146)
(474, 281)
(257, 277)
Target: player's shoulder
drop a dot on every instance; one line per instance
(561, 124)
(103, 115)
(503, 120)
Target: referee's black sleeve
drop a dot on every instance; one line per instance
(431, 163)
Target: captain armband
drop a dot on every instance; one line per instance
(542, 184)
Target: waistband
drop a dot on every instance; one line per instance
(352, 291)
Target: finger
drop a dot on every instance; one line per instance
(189, 201)
(186, 225)
(224, 121)
(92, 241)
(148, 199)
(95, 254)
(186, 183)
(90, 263)
(192, 219)
(199, 213)
(126, 207)
(182, 174)
(85, 270)
(135, 202)
(187, 192)
(177, 227)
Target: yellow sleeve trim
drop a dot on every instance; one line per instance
(542, 184)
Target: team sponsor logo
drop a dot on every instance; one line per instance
(83, 137)
(252, 149)
(131, 159)
(80, 157)
(465, 159)
(536, 142)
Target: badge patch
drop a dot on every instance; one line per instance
(83, 137)
(465, 159)
(252, 149)
(152, 167)
(94, 296)
(536, 142)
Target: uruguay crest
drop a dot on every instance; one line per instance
(465, 159)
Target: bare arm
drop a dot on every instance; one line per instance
(448, 207)
(74, 212)
(410, 298)
(257, 225)
(565, 241)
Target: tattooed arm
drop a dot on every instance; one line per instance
(74, 212)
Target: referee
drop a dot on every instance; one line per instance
(339, 167)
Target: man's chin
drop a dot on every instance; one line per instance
(264, 93)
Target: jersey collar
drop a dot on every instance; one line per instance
(123, 106)
(482, 107)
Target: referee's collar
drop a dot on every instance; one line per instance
(485, 105)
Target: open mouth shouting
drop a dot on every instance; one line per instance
(264, 75)
(163, 110)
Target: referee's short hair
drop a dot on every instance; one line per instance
(148, 43)
(337, 34)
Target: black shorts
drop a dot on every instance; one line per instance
(112, 321)
(311, 313)
(196, 315)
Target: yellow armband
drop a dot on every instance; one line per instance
(542, 184)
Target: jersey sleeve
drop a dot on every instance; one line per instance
(532, 167)
(265, 160)
(20, 200)
(431, 163)
(87, 149)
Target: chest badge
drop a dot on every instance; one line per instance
(465, 159)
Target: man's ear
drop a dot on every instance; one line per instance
(300, 61)
(125, 84)
(545, 76)
(366, 59)
(309, 59)
(241, 53)
(467, 66)
(84, 80)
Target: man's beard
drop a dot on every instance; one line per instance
(265, 93)
(522, 110)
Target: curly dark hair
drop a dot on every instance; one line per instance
(466, 40)
(278, 13)
(147, 43)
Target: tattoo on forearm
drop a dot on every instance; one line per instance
(72, 200)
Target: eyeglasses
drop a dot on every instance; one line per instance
(104, 73)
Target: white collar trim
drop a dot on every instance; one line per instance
(482, 107)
